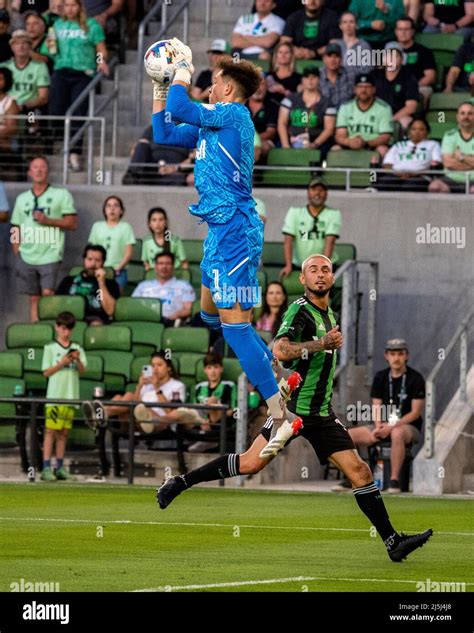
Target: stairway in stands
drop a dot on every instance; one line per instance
(223, 19)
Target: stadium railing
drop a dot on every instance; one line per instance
(32, 458)
(349, 178)
(163, 6)
(452, 379)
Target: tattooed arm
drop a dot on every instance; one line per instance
(285, 350)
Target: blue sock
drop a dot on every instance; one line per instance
(213, 321)
(46, 463)
(263, 345)
(59, 463)
(240, 336)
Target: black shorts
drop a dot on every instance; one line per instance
(326, 434)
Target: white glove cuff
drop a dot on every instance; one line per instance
(182, 74)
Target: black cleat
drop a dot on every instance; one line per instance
(168, 490)
(408, 544)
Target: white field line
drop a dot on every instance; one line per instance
(271, 581)
(216, 525)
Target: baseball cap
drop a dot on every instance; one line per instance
(219, 46)
(394, 46)
(333, 49)
(365, 78)
(396, 343)
(317, 182)
(20, 34)
(311, 70)
(4, 16)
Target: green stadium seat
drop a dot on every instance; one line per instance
(116, 368)
(94, 368)
(86, 387)
(190, 383)
(438, 130)
(196, 307)
(179, 273)
(11, 365)
(9, 388)
(264, 64)
(146, 336)
(28, 335)
(440, 41)
(104, 337)
(193, 250)
(109, 272)
(293, 284)
(187, 362)
(301, 64)
(345, 252)
(347, 158)
(290, 158)
(136, 273)
(50, 307)
(186, 339)
(272, 254)
(447, 117)
(232, 370)
(77, 333)
(137, 252)
(441, 101)
(137, 309)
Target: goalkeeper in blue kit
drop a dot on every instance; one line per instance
(223, 133)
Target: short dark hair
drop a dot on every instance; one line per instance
(166, 254)
(421, 118)
(8, 77)
(406, 18)
(67, 319)
(95, 247)
(244, 73)
(164, 356)
(213, 358)
(119, 200)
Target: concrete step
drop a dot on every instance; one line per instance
(468, 483)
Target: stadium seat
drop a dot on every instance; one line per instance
(193, 250)
(438, 130)
(28, 335)
(50, 307)
(444, 46)
(345, 252)
(179, 273)
(301, 64)
(146, 336)
(447, 101)
(347, 158)
(273, 260)
(435, 117)
(232, 370)
(109, 272)
(291, 158)
(77, 335)
(187, 362)
(136, 273)
(196, 307)
(137, 252)
(137, 309)
(293, 284)
(113, 344)
(186, 339)
(11, 384)
(11, 365)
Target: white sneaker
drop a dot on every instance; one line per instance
(144, 417)
(189, 416)
(288, 427)
(75, 162)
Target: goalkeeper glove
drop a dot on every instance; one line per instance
(183, 61)
(160, 91)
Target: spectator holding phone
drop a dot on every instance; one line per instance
(100, 293)
(39, 220)
(63, 362)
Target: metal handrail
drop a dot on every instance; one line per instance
(163, 5)
(430, 412)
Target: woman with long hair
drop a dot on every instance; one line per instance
(274, 307)
(282, 80)
(76, 44)
(161, 240)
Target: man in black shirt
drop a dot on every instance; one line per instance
(461, 74)
(100, 294)
(418, 58)
(397, 85)
(310, 29)
(398, 400)
(200, 90)
(454, 16)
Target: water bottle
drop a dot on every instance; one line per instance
(52, 41)
(378, 474)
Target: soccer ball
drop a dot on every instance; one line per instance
(159, 61)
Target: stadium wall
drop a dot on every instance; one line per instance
(424, 288)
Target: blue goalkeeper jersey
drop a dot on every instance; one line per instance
(224, 136)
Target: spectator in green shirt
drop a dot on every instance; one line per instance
(310, 230)
(63, 362)
(39, 219)
(116, 236)
(161, 240)
(376, 19)
(77, 45)
(457, 150)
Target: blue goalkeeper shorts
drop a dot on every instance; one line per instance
(231, 257)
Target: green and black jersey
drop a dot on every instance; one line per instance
(303, 321)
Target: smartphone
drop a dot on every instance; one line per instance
(147, 371)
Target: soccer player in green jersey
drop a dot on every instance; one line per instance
(308, 339)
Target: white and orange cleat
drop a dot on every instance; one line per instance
(287, 379)
(290, 425)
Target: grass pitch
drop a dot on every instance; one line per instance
(115, 538)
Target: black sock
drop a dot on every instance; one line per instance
(220, 468)
(371, 503)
